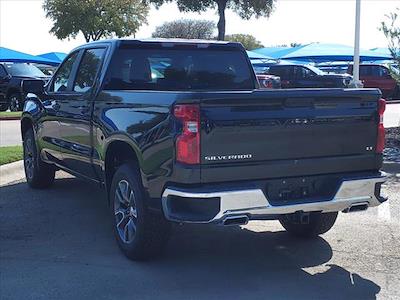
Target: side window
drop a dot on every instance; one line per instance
(365, 71)
(282, 72)
(3, 72)
(301, 72)
(376, 71)
(88, 69)
(383, 72)
(60, 82)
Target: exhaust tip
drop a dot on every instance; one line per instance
(235, 220)
(356, 207)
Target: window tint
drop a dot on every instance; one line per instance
(3, 72)
(179, 69)
(379, 71)
(60, 82)
(302, 73)
(88, 69)
(365, 71)
(282, 72)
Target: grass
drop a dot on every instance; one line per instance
(10, 154)
(10, 114)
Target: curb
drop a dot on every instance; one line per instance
(11, 172)
(10, 118)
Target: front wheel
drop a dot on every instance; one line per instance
(38, 174)
(15, 102)
(315, 224)
(3, 106)
(140, 233)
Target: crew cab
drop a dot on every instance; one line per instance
(378, 76)
(11, 77)
(307, 76)
(179, 131)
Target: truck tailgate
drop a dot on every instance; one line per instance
(266, 134)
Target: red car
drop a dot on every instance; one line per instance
(378, 76)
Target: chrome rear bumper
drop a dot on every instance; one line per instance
(254, 204)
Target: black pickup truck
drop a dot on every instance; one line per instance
(178, 131)
(11, 77)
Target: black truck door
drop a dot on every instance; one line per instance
(75, 115)
(48, 133)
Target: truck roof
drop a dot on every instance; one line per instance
(164, 41)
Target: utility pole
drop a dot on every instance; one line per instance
(356, 63)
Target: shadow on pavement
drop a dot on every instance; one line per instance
(59, 243)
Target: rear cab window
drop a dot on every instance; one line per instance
(181, 69)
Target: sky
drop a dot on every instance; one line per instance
(24, 27)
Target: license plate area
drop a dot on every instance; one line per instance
(302, 189)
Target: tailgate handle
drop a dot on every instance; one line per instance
(208, 126)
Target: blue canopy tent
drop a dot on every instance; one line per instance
(275, 52)
(55, 56)
(8, 55)
(384, 51)
(320, 52)
(254, 55)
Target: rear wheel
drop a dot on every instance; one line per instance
(140, 233)
(314, 224)
(38, 174)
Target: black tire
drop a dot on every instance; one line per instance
(140, 234)
(38, 173)
(3, 106)
(15, 102)
(318, 223)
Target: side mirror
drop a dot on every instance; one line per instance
(34, 86)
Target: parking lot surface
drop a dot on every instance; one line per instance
(58, 244)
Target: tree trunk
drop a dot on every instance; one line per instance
(87, 36)
(221, 21)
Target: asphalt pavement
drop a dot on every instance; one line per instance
(58, 244)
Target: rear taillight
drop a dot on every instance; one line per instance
(188, 142)
(380, 141)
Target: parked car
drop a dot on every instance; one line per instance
(306, 76)
(261, 66)
(11, 76)
(199, 142)
(268, 81)
(378, 76)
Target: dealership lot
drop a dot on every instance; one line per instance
(58, 243)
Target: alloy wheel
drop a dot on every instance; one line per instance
(29, 158)
(14, 103)
(125, 211)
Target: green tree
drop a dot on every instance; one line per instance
(247, 40)
(391, 29)
(186, 29)
(95, 18)
(244, 8)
